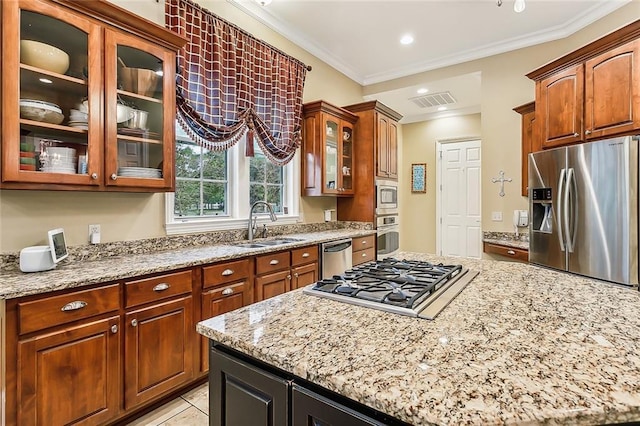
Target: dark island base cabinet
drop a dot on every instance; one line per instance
(244, 394)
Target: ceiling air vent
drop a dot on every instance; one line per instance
(433, 99)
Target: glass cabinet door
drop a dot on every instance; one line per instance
(51, 123)
(331, 160)
(139, 141)
(347, 158)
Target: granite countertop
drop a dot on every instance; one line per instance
(77, 274)
(522, 245)
(520, 345)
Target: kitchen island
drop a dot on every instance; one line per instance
(520, 345)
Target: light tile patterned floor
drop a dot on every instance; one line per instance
(190, 409)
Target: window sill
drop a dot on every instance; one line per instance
(191, 226)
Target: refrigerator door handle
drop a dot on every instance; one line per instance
(559, 208)
(571, 222)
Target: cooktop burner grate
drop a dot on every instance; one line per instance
(403, 286)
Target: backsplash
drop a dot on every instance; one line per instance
(11, 261)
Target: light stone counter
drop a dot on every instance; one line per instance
(520, 345)
(81, 273)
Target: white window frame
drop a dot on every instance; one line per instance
(238, 199)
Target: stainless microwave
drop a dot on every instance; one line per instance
(386, 197)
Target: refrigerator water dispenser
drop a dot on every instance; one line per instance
(542, 210)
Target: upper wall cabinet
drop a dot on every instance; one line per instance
(591, 93)
(88, 98)
(528, 113)
(328, 160)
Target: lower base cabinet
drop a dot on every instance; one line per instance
(241, 393)
(80, 369)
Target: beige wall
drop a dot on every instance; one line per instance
(418, 225)
(25, 216)
(504, 86)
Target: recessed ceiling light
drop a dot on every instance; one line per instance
(45, 80)
(422, 91)
(406, 39)
(442, 108)
(263, 2)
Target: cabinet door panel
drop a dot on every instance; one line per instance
(383, 146)
(561, 107)
(392, 154)
(613, 79)
(70, 376)
(271, 285)
(304, 275)
(241, 394)
(158, 349)
(310, 408)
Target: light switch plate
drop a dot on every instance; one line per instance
(496, 216)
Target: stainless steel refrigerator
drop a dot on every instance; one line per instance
(583, 205)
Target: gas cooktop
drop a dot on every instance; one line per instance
(409, 287)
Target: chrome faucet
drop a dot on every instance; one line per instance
(253, 219)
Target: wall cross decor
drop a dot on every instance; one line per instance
(502, 180)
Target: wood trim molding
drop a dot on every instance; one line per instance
(609, 41)
(375, 105)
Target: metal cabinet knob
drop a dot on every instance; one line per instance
(114, 176)
(274, 262)
(576, 134)
(134, 322)
(511, 252)
(94, 176)
(305, 254)
(114, 329)
(588, 132)
(289, 276)
(296, 275)
(227, 291)
(161, 287)
(364, 254)
(227, 272)
(74, 306)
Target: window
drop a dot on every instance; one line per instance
(215, 189)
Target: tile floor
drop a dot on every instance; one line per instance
(190, 409)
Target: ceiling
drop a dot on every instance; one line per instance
(361, 38)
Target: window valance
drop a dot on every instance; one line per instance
(230, 84)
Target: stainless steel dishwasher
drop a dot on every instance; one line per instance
(336, 257)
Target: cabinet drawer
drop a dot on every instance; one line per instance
(515, 253)
(363, 243)
(56, 310)
(304, 255)
(272, 262)
(157, 288)
(227, 272)
(362, 256)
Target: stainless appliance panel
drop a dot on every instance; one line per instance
(546, 176)
(601, 214)
(337, 257)
(387, 236)
(386, 197)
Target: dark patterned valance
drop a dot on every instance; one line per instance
(230, 84)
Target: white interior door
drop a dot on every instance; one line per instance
(459, 186)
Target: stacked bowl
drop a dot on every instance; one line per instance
(56, 159)
(78, 119)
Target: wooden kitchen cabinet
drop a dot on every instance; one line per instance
(591, 93)
(328, 154)
(304, 266)
(364, 249)
(528, 142)
(159, 336)
(376, 148)
(111, 152)
(512, 252)
(67, 349)
(227, 286)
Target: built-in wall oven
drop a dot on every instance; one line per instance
(388, 236)
(386, 197)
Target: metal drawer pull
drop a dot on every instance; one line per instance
(364, 254)
(114, 329)
(161, 287)
(289, 276)
(227, 291)
(134, 322)
(364, 241)
(274, 262)
(305, 254)
(227, 272)
(74, 306)
(511, 252)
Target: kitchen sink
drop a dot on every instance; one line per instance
(268, 243)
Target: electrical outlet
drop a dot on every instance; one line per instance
(94, 234)
(496, 216)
